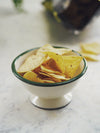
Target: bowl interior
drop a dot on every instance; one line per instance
(20, 59)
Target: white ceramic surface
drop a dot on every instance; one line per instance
(49, 96)
(21, 31)
(52, 103)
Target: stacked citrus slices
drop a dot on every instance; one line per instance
(49, 65)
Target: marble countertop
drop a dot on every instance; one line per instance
(22, 31)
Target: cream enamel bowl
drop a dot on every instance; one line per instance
(48, 95)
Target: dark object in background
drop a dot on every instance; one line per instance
(74, 14)
(18, 4)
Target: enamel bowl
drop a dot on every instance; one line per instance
(48, 95)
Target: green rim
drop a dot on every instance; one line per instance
(46, 84)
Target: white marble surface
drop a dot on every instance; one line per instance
(22, 31)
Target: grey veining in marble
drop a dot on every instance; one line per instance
(22, 31)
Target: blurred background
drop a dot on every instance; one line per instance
(35, 26)
(31, 25)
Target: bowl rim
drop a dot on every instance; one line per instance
(46, 84)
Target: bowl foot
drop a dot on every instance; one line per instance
(51, 104)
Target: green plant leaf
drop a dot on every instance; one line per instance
(18, 4)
